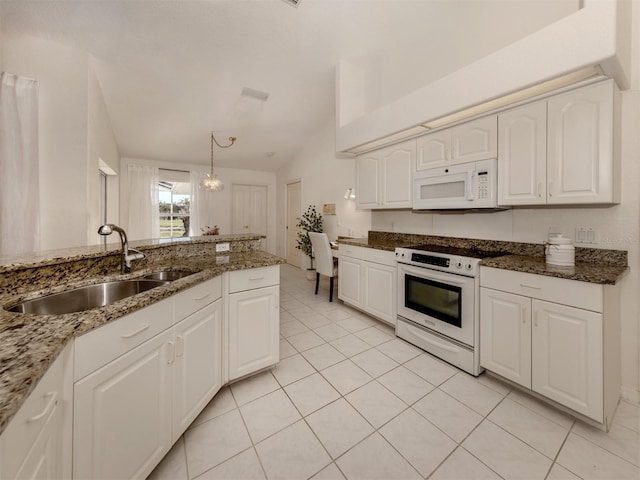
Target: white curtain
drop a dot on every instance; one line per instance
(200, 205)
(144, 203)
(19, 184)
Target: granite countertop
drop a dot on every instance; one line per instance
(30, 343)
(378, 244)
(601, 273)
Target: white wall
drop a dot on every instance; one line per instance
(325, 179)
(220, 209)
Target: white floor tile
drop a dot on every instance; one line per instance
(542, 408)
(373, 336)
(558, 472)
(323, 356)
(286, 349)
(628, 415)
(461, 465)
(330, 472)
(223, 402)
(339, 427)
(245, 466)
(399, 350)
(305, 341)
(405, 384)
(331, 332)
(315, 320)
(346, 376)
(354, 324)
(350, 345)
(530, 427)
(421, 443)
(620, 440)
(338, 314)
(269, 414)
(248, 389)
(293, 453)
(213, 442)
(466, 389)
(373, 459)
(432, 370)
(311, 393)
(291, 369)
(375, 403)
(589, 461)
(373, 362)
(449, 415)
(494, 383)
(293, 328)
(173, 466)
(505, 454)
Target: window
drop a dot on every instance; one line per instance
(175, 203)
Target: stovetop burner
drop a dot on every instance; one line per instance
(457, 251)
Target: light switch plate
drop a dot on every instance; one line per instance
(587, 235)
(222, 247)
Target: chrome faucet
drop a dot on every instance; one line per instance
(127, 258)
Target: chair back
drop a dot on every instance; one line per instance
(322, 253)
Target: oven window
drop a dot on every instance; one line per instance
(438, 300)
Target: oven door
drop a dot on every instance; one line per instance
(442, 302)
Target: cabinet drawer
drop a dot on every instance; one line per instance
(587, 296)
(379, 256)
(108, 342)
(251, 278)
(193, 299)
(351, 251)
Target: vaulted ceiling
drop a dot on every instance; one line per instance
(172, 71)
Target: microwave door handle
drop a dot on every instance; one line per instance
(470, 185)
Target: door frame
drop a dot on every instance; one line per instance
(286, 209)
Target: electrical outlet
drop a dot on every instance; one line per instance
(222, 259)
(587, 235)
(222, 247)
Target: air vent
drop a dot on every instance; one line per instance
(292, 2)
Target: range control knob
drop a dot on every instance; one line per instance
(468, 266)
(458, 264)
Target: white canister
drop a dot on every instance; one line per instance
(560, 251)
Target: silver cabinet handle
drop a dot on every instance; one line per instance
(524, 315)
(179, 346)
(202, 297)
(550, 189)
(171, 353)
(52, 403)
(140, 330)
(255, 279)
(530, 286)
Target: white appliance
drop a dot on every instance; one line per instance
(458, 187)
(438, 302)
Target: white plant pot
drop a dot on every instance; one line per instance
(311, 273)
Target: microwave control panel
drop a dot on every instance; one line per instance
(482, 184)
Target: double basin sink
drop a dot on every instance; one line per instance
(95, 296)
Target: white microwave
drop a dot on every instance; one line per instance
(458, 187)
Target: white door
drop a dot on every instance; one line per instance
(522, 157)
(380, 291)
(294, 212)
(249, 209)
(580, 150)
(254, 330)
(350, 274)
(398, 165)
(433, 150)
(122, 413)
(197, 373)
(567, 357)
(368, 181)
(474, 140)
(505, 335)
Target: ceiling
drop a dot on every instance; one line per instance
(173, 71)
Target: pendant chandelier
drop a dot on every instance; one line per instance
(212, 182)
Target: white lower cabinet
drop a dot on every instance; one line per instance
(37, 441)
(556, 350)
(367, 280)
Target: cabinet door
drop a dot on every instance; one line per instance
(505, 335)
(197, 373)
(380, 291)
(350, 281)
(367, 181)
(122, 413)
(433, 150)
(254, 323)
(567, 357)
(44, 461)
(475, 140)
(522, 156)
(397, 169)
(580, 151)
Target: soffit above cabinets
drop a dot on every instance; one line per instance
(508, 76)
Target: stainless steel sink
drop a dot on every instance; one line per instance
(168, 275)
(85, 298)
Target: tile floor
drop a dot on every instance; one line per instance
(349, 400)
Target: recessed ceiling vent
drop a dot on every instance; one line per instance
(292, 2)
(253, 93)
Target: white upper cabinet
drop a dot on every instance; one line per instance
(522, 165)
(468, 142)
(384, 177)
(580, 163)
(560, 151)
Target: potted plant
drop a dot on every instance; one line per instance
(311, 221)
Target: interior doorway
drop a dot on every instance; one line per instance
(249, 210)
(294, 212)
